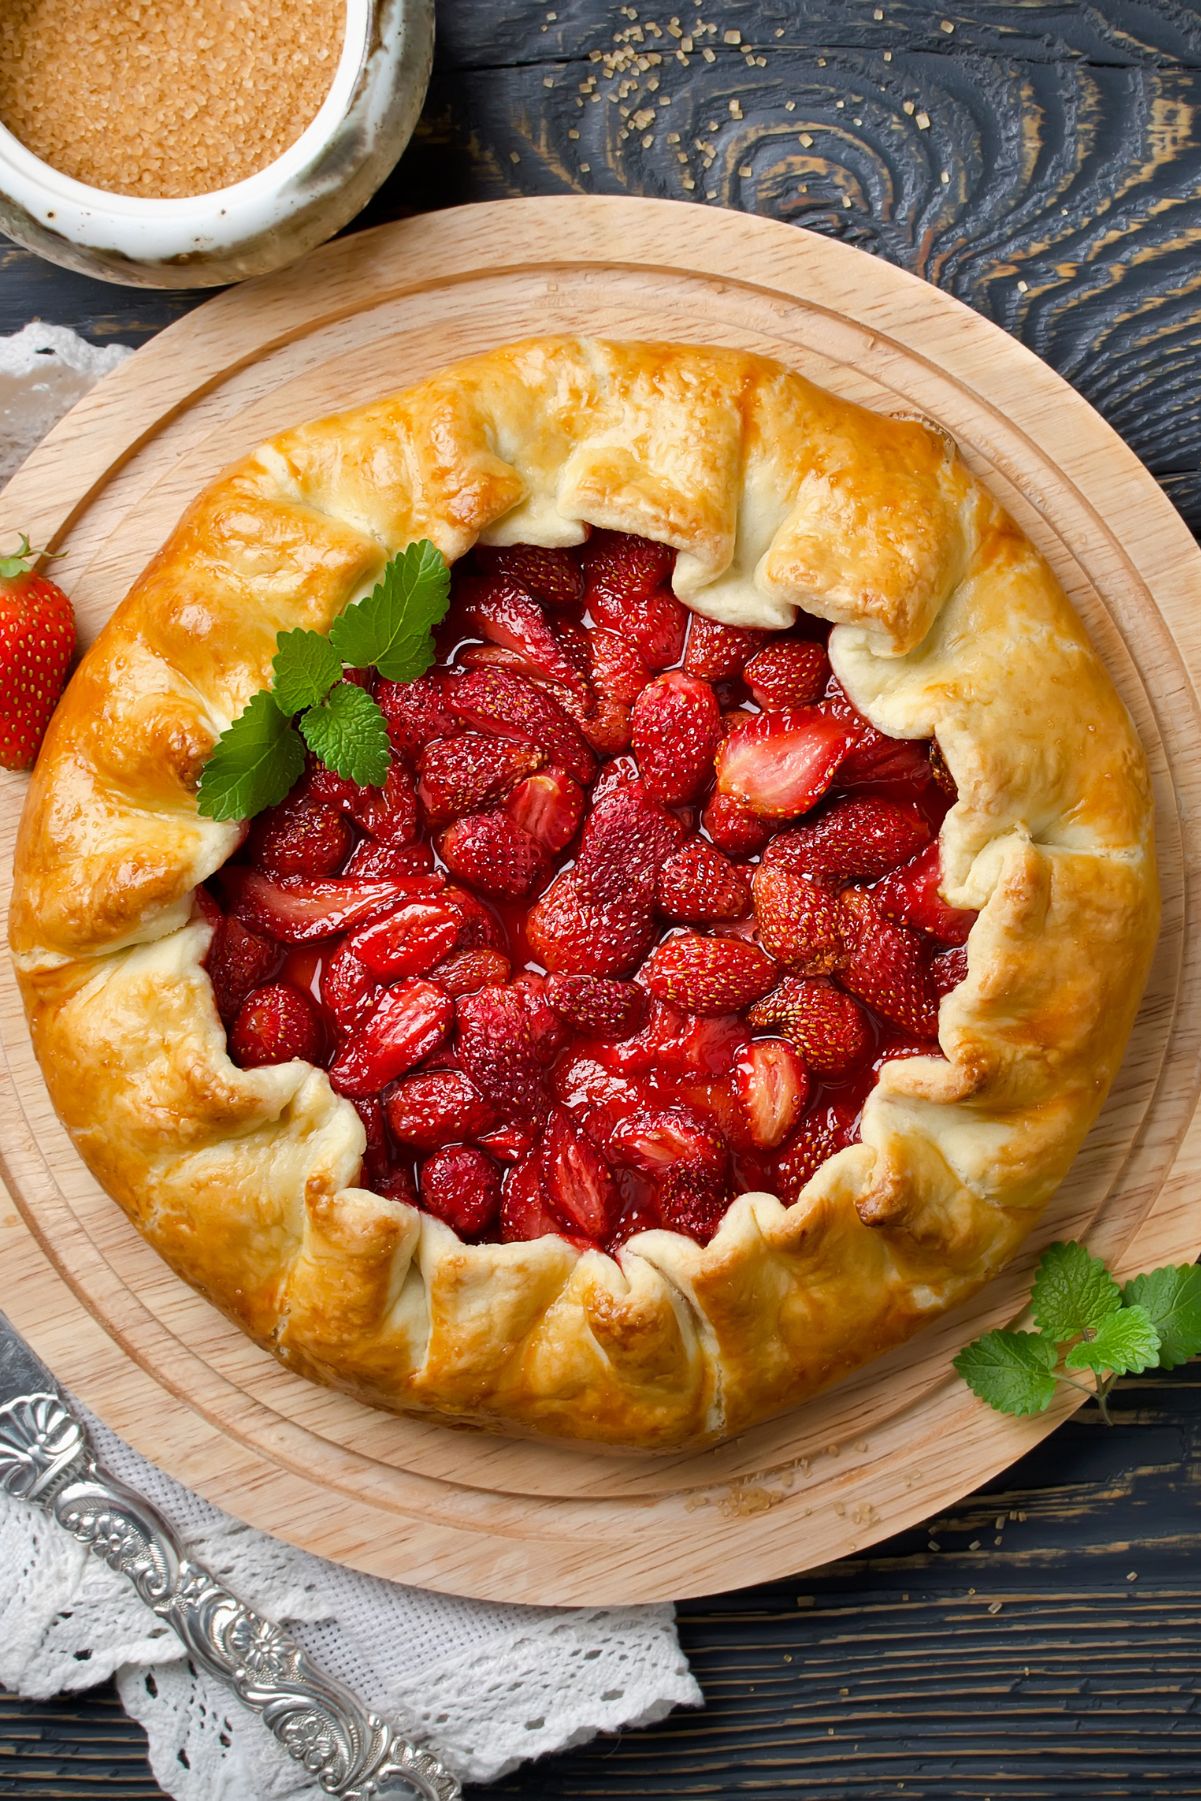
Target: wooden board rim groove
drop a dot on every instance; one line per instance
(561, 1548)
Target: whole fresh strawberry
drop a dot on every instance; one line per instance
(37, 642)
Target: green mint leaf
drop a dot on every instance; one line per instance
(1172, 1300)
(306, 667)
(1073, 1292)
(253, 763)
(1010, 1370)
(393, 627)
(1124, 1342)
(348, 733)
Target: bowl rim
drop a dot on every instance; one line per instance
(74, 208)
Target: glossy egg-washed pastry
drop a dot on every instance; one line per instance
(782, 503)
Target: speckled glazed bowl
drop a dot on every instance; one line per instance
(312, 190)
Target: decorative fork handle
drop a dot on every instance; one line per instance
(45, 1457)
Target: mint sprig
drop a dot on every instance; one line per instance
(347, 732)
(1086, 1325)
(256, 760)
(392, 630)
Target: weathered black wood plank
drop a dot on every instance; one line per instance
(1038, 161)
(1040, 1640)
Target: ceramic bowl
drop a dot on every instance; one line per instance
(312, 190)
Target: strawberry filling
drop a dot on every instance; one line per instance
(640, 912)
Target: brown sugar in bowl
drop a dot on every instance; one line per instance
(187, 143)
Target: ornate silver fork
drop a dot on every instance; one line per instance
(45, 1457)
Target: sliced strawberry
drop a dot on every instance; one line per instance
(772, 1085)
(598, 1007)
(656, 625)
(492, 852)
(524, 1210)
(948, 969)
(497, 1048)
(274, 1025)
(509, 1143)
(479, 927)
(693, 1200)
(377, 1155)
(616, 669)
(709, 975)
(387, 813)
(297, 911)
(349, 991)
(461, 1186)
(718, 652)
(459, 774)
(642, 1215)
(302, 836)
(676, 726)
(792, 673)
(819, 1136)
(549, 806)
(567, 932)
(407, 942)
(437, 1106)
(409, 1022)
(577, 1181)
(416, 713)
(395, 1183)
(886, 967)
(607, 727)
(828, 1028)
(238, 961)
(911, 894)
(550, 575)
(858, 839)
(494, 700)
(622, 565)
(876, 757)
(370, 858)
(581, 1081)
(625, 842)
(697, 885)
(733, 827)
(615, 774)
(466, 970)
(549, 1029)
(654, 1138)
(491, 656)
(780, 764)
(504, 614)
(701, 1046)
(801, 923)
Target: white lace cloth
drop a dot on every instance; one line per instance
(485, 1686)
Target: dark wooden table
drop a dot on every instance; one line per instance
(1043, 162)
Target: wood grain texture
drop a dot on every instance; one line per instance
(1083, 1685)
(887, 1677)
(535, 1522)
(1039, 160)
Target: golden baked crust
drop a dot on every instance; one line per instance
(777, 495)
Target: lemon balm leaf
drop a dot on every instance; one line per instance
(306, 666)
(1010, 1370)
(392, 629)
(1125, 1343)
(1073, 1292)
(1171, 1298)
(348, 733)
(253, 763)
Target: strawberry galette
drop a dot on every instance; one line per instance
(742, 933)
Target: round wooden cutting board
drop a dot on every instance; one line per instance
(453, 1508)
